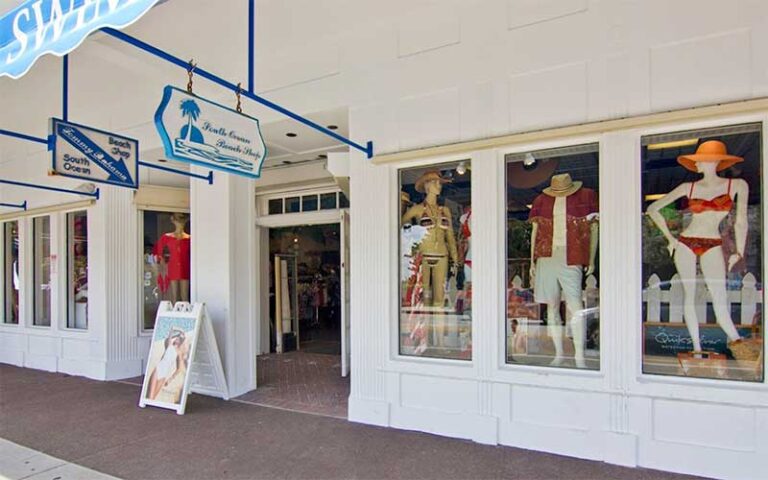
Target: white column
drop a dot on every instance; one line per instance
(113, 256)
(224, 266)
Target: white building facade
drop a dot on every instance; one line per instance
(611, 90)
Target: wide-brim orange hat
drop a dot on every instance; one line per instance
(428, 177)
(711, 151)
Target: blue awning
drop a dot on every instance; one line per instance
(39, 27)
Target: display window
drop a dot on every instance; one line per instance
(166, 261)
(41, 271)
(77, 270)
(552, 292)
(435, 281)
(702, 253)
(11, 278)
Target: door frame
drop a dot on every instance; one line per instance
(263, 224)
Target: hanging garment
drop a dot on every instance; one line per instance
(179, 255)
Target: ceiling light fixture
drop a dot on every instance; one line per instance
(461, 169)
(530, 160)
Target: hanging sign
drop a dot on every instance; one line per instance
(183, 358)
(94, 155)
(37, 27)
(198, 131)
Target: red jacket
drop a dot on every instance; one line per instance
(581, 208)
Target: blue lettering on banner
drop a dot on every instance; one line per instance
(37, 27)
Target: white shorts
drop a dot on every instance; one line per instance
(554, 275)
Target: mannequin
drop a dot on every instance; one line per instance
(437, 248)
(709, 201)
(176, 279)
(563, 248)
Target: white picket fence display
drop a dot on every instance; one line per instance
(654, 297)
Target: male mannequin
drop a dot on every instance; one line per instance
(563, 247)
(438, 246)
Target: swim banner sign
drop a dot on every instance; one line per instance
(201, 132)
(37, 27)
(94, 155)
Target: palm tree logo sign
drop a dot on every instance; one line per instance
(189, 132)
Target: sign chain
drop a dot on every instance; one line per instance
(239, 108)
(190, 74)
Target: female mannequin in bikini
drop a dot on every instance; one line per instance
(438, 247)
(709, 202)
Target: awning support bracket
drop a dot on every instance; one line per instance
(52, 189)
(367, 149)
(22, 206)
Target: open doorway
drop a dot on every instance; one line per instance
(310, 290)
(307, 366)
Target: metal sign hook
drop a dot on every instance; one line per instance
(190, 73)
(239, 108)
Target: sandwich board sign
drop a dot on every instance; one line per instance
(37, 27)
(202, 132)
(183, 358)
(94, 155)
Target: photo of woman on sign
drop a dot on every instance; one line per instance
(169, 359)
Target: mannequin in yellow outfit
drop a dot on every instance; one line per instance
(438, 247)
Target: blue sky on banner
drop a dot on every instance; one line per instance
(39, 27)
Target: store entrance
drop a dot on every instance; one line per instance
(307, 367)
(306, 306)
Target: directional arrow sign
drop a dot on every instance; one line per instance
(94, 155)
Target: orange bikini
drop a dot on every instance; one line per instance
(721, 203)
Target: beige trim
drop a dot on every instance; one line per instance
(150, 197)
(697, 113)
(43, 210)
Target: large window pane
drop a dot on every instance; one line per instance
(552, 315)
(435, 281)
(41, 273)
(77, 270)
(166, 259)
(11, 280)
(702, 253)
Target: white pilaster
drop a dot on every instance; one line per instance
(224, 266)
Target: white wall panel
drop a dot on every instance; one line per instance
(716, 426)
(558, 408)
(429, 119)
(437, 394)
(521, 13)
(555, 96)
(704, 70)
(416, 36)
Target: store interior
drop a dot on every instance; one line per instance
(311, 307)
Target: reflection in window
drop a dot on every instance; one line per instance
(41, 273)
(275, 206)
(166, 259)
(552, 263)
(11, 279)
(702, 253)
(435, 261)
(309, 203)
(77, 270)
(328, 201)
(292, 204)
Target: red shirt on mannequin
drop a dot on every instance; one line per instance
(179, 258)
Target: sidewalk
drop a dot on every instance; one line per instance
(98, 425)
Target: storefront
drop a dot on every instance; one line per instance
(559, 249)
